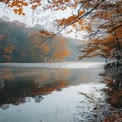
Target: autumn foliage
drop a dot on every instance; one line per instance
(100, 19)
(21, 44)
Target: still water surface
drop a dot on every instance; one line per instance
(51, 93)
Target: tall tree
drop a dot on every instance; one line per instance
(101, 19)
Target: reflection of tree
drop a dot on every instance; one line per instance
(15, 92)
(17, 88)
(5, 106)
(2, 84)
(23, 83)
(7, 74)
(38, 98)
(52, 76)
(48, 88)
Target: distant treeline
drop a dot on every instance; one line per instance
(21, 44)
(15, 46)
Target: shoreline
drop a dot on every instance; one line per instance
(115, 100)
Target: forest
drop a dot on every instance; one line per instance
(96, 23)
(19, 43)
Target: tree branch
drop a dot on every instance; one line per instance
(74, 21)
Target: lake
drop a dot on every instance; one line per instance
(56, 92)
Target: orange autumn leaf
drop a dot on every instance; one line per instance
(15, 11)
(81, 13)
(67, 0)
(44, 33)
(25, 4)
(23, 14)
(34, 7)
(20, 11)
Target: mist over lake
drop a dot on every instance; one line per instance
(50, 92)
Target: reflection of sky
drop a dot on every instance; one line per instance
(55, 107)
(64, 65)
(58, 106)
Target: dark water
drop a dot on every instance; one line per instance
(29, 94)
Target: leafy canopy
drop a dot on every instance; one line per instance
(100, 19)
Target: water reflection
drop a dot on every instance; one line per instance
(2, 83)
(45, 94)
(18, 83)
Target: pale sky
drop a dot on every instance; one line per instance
(32, 17)
(41, 17)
